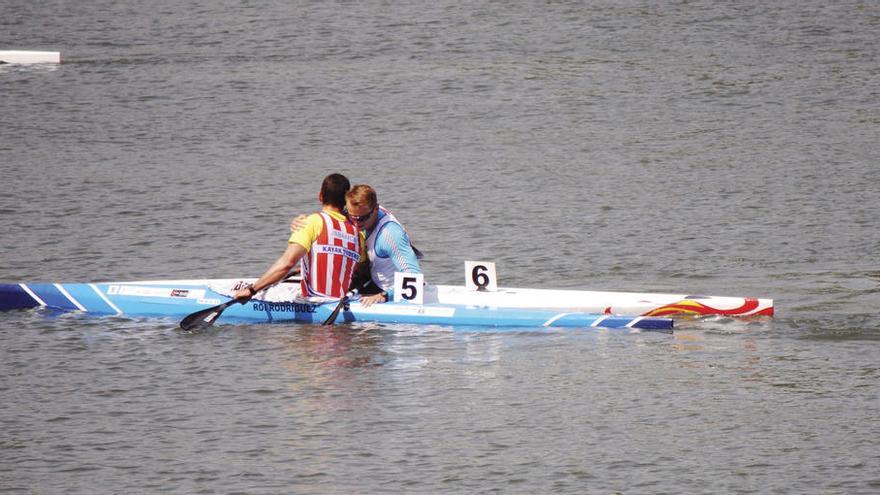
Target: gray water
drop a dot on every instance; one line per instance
(726, 148)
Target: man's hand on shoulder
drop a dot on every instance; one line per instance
(299, 222)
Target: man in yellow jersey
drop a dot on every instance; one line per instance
(329, 248)
(387, 246)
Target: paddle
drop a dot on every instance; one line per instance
(206, 317)
(342, 302)
(418, 253)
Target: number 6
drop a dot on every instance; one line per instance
(480, 275)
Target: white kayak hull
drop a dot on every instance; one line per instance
(29, 57)
(622, 303)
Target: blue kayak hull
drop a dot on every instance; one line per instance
(177, 299)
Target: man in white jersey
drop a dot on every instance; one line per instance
(388, 246)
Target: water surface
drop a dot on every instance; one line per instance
(699, 147)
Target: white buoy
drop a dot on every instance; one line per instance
(29, 57)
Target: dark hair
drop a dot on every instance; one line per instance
(333, 190)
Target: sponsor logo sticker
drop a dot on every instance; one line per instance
(147, 291)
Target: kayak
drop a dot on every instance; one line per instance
(29, 57)
(179, 298)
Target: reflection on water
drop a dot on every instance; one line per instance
(323, 362)
(332, 349)
(25, 68)
(687, 342)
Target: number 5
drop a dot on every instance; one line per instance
(408, 287)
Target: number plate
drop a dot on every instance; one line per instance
(408, 287)
(480, 275)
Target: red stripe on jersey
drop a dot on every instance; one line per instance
(329, 274)
(336, 279)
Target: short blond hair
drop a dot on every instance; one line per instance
(362, 195)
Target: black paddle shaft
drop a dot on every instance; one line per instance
(342, 302)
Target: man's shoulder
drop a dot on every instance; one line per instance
(392, 232)
(313, 221)
(305, 236)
